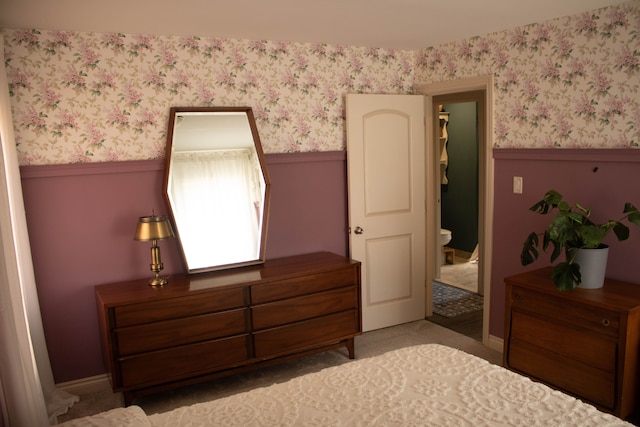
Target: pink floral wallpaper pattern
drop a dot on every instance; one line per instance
(91, 97)
(568, 83)
(87, 97)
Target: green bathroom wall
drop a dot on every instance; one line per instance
(460, 195)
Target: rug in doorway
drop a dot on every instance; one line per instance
(449, 301)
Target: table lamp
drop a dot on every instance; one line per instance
(153, 228)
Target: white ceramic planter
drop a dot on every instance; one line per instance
(593, 266)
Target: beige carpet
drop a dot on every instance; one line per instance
(369, 344)
(462, 274)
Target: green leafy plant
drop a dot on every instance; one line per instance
(571, 229)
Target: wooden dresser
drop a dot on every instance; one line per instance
(205, 326)
(585, 342)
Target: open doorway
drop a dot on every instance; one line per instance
(479, 90)
(459, 194)
(457, 294)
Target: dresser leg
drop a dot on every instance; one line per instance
(351, 347)
(128, 398)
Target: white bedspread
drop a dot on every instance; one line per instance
(428, 385)
(129, 416)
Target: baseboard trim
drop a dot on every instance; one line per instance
(495, 343)
(86, 385)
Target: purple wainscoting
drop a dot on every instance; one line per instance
(82, 218)
(602, 180)
(81, 221)
(308, 203)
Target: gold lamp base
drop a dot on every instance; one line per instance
(157, 266)
(158, 280)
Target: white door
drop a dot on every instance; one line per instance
(386, 174)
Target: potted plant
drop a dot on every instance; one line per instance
(573, 231)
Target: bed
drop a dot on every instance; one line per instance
(422, 385)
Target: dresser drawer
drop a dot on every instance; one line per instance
(583, 315)
(304, 307)
(577, 344)
(563, 372)
(302, 285)
(182, 362)
(171, 308)
(307, 334)
(159, 335)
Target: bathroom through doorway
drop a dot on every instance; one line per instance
(477, 89)
(459, 194)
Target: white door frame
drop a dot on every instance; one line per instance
(485, 213)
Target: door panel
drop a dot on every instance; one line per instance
(383, 270)
(386, 165)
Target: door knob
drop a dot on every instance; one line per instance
(358, 230)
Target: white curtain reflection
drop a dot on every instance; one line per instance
(217, 197)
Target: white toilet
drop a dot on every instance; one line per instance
(445, 236)
(447, 254)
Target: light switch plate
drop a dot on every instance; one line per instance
(517, 185)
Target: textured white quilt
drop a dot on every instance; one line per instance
(427, 385)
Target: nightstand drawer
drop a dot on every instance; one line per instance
(170, 333)
(304, 307)
(582, 315)
(180, 362)
(563, 372)
(567, 340)
(172, 308)
(308, 333)
(302, 285)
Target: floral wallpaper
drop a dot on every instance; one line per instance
(88, 97)
(572, 82)
(568, 83)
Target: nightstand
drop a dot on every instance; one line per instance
(585, 342)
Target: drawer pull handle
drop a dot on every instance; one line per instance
(606, 322)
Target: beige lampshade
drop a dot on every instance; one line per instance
(153, 228)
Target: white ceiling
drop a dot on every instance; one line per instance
(401, 24)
